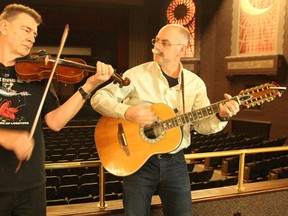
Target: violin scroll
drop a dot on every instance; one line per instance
(118, 79)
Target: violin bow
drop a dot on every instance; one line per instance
(63, 40)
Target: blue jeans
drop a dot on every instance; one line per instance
(169, 176)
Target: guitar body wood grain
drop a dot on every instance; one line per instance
(124, 160)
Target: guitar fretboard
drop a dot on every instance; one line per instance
(192, 116)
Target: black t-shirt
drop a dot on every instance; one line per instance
(171, 81)
(19, 102)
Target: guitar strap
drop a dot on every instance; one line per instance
(182, 89)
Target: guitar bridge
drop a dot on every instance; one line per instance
(122, 140)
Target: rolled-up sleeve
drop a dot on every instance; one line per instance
(106, 103)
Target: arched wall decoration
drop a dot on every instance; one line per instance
(182, 12)
(257, 26)
(257, 39)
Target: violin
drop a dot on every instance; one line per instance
(69, 70)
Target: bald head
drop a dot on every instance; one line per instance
(184, 34)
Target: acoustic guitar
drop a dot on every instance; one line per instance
(124, 146)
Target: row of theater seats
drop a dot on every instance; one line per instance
(217, 162)
(237, 142)
(71, 157)
(278, 173)
(202, 179)
(258, 167)
(70, 145)
(260, 170)
(196, 137)
(71, 191)
(79, 199)
(80, 184)
(75, 185)
(67, 186)
(208, 143)
(230, 165)
(85, 199)
(64, 186)
(214, 183)
(56, 181)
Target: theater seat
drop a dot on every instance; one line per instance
(70, 179)
(84, 155)
(85, 199)
(52, 181)
(55, 157)
(87, 189)
(204, 175)
(68, 191)
(113, 187)
(51, 193)
(88, 178)
(70, 157)
(57, 202)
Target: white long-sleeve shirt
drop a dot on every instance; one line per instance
(149, 86)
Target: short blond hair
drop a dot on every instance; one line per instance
(12, 10)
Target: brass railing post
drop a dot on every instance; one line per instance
(102, 204)
(240, 184)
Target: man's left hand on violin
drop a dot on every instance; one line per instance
(103, 73)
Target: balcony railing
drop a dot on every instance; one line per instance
(241, 152)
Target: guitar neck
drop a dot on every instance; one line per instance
(193, 116)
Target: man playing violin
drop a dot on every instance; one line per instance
(23, 192)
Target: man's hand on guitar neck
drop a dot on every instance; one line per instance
(140, 114)
(230, 108)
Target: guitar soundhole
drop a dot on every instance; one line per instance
(150, 133)
(153, 133)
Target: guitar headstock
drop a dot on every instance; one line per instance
(260, 94)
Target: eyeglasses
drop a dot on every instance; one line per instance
(164, 43)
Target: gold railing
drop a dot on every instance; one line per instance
(241, 152)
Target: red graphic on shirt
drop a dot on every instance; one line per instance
(7, 111)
